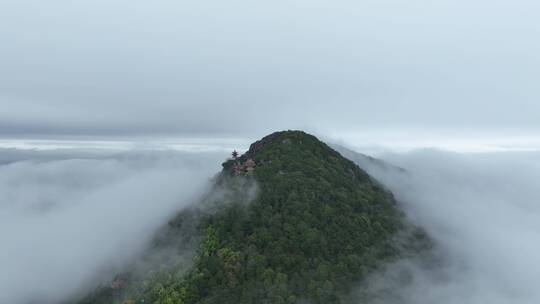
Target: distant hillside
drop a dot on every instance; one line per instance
(289, 221)
(366, 162)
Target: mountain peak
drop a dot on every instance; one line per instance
(296, 151)
(272, 146)
(287, 137)
(317, 224)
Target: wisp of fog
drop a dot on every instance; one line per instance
(483, 213)
(68, 217)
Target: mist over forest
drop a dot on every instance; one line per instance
(71, 218)
(68, 219)
(279, 152)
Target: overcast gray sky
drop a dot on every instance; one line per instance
(238, 67)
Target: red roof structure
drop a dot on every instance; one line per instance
(249, 164)
(117, 284)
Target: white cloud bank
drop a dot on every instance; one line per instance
(67, 216)
(483, 211)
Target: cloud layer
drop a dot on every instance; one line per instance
(483, 212)
(67, 217)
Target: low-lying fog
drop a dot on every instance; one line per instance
(66, 216)
(483, 211)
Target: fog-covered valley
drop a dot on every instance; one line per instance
(482, 211)
(71, 219)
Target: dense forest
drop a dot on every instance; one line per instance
(289, 221)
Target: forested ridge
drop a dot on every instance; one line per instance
(290, 221)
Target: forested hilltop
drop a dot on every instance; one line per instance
(289, 221)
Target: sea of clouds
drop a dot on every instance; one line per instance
(69, 216)
(483, 212)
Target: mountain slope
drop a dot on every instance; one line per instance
(316, 225)
(366, 162)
